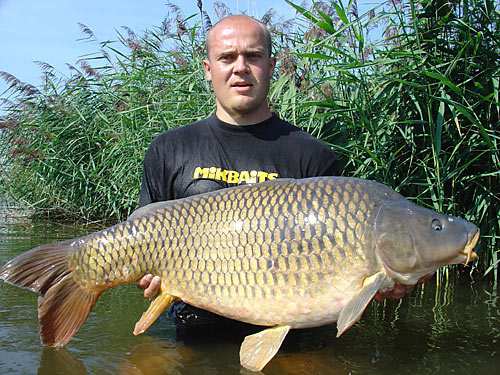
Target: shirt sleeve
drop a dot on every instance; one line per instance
(155, 178)
(331, 165)
(323, 161)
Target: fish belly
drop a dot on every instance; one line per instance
(289, 252)
(286, 251)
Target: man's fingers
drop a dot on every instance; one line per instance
(153, 288)
(145, 281)
(397, 292)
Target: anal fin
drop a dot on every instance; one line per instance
(258, 349)
(155, 309)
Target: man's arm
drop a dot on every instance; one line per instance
(153, 179)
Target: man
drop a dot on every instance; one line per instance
(244, 142)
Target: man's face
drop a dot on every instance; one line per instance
(239, 66)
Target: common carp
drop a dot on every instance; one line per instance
(283, 254)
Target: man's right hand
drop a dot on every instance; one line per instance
(151, 285)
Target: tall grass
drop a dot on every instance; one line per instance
(74, 148)
(417, 109)
(407, 94)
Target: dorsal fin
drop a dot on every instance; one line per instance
(145, 210)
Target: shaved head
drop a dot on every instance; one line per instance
(241, 20)
(240, 67)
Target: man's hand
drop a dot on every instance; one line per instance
(150, 284)
(396, 292)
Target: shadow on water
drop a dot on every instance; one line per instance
(447, 327)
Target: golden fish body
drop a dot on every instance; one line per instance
(289, 252)
(285, 253)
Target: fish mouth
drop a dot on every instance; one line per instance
(468, 252)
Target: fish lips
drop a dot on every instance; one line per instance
(468, 254)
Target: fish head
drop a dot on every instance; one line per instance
(412, 242)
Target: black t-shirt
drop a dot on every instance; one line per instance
(210, 154)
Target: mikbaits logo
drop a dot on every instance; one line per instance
(233, 177)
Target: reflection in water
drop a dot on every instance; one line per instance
(306, 364)
(60, 362)
(157, 357)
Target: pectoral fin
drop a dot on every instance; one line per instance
(155, 309)
(352, 312)
(258, 349)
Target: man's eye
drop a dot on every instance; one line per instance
(225, 58)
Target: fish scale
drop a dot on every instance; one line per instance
(236, 250)
(286, 254)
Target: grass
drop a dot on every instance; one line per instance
(407, 94)
(419, 109)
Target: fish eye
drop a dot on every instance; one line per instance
(436, 225)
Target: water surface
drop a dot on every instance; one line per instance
(449, 327)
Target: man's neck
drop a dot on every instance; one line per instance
(242, 119)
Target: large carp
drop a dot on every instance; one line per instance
(284, 254)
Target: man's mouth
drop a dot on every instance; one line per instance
(241, 84)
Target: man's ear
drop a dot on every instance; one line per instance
(206, 68)
(272, 62)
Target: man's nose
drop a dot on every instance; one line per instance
(241, 64)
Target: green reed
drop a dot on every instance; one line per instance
(416, 107)
(406, 93)
(75, 147)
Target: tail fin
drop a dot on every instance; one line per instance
(63, 305)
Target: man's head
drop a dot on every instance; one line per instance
(240, 67)
(266, 33)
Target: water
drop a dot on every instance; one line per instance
(452, 328)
